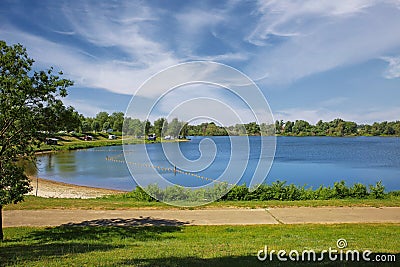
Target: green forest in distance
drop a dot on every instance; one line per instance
(116, 122)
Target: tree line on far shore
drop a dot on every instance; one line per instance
(337, 127)
(116, 122)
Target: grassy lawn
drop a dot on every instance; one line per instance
(32, 202)
(187, 245)
(71, 142)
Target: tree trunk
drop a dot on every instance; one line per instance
(1, 223)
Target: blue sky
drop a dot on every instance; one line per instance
(311, 59)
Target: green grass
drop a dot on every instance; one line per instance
(73, 142)
(32, 202)
(70, 142)
(186, 245)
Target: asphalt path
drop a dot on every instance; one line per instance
(227, 216)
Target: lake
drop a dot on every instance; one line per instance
(310, 161)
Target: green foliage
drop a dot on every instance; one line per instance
(161, 127)
(358, 191)
(158, 126)
(323, 193)
(14, 183)
(377, 191)
(394, 193)
(336, 127)
(278, 190)
(29, 108)
(238, 192)
(138, 194)
(340, 190)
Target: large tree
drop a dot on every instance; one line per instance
(158, 126)
(30, 107)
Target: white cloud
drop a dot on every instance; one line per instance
(85, 69)
(82, 106)
(292, 18)
(376, 115)
(196, 26)
(190, 101)
(240, 56)
(123, 28)
(323, 36)
(118, 45)
(393, 70)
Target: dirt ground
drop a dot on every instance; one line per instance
(47, 188)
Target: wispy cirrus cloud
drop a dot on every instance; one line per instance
(294, 18)
(118, 45)
(393, 70)
(321, 36)
(85, 69)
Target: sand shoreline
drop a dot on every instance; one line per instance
(53, 189)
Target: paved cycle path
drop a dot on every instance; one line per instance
(227, 216)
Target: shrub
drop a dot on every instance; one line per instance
(174, 193)
(394, 193)
(340, 190)
(377, 191)
(324, 193)
(358, 191)
(238, 192)
(276, 191)
(306, 194)
(139, 194)
(292, 192)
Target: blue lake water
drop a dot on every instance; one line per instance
(311, 161)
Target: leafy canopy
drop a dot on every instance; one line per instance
(30, 107)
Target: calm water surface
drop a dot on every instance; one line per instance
(310, 161)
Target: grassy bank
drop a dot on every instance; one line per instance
(119, 202)
(75, 141)
(188, 245)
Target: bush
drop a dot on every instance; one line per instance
(377, 191)
(358, 191)
(276, 191)
(292, 192)
(176, 193)
(238, 192)
(340, 190)
(306, 194)
(139, 194)
(394, 193)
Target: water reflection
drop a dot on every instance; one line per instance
(29, 167)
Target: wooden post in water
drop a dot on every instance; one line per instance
(37, 185)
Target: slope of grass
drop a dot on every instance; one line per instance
(72, 142)
(32, 202)
(188, 245)
(75, 141)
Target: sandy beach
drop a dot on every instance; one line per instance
(53, 189)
